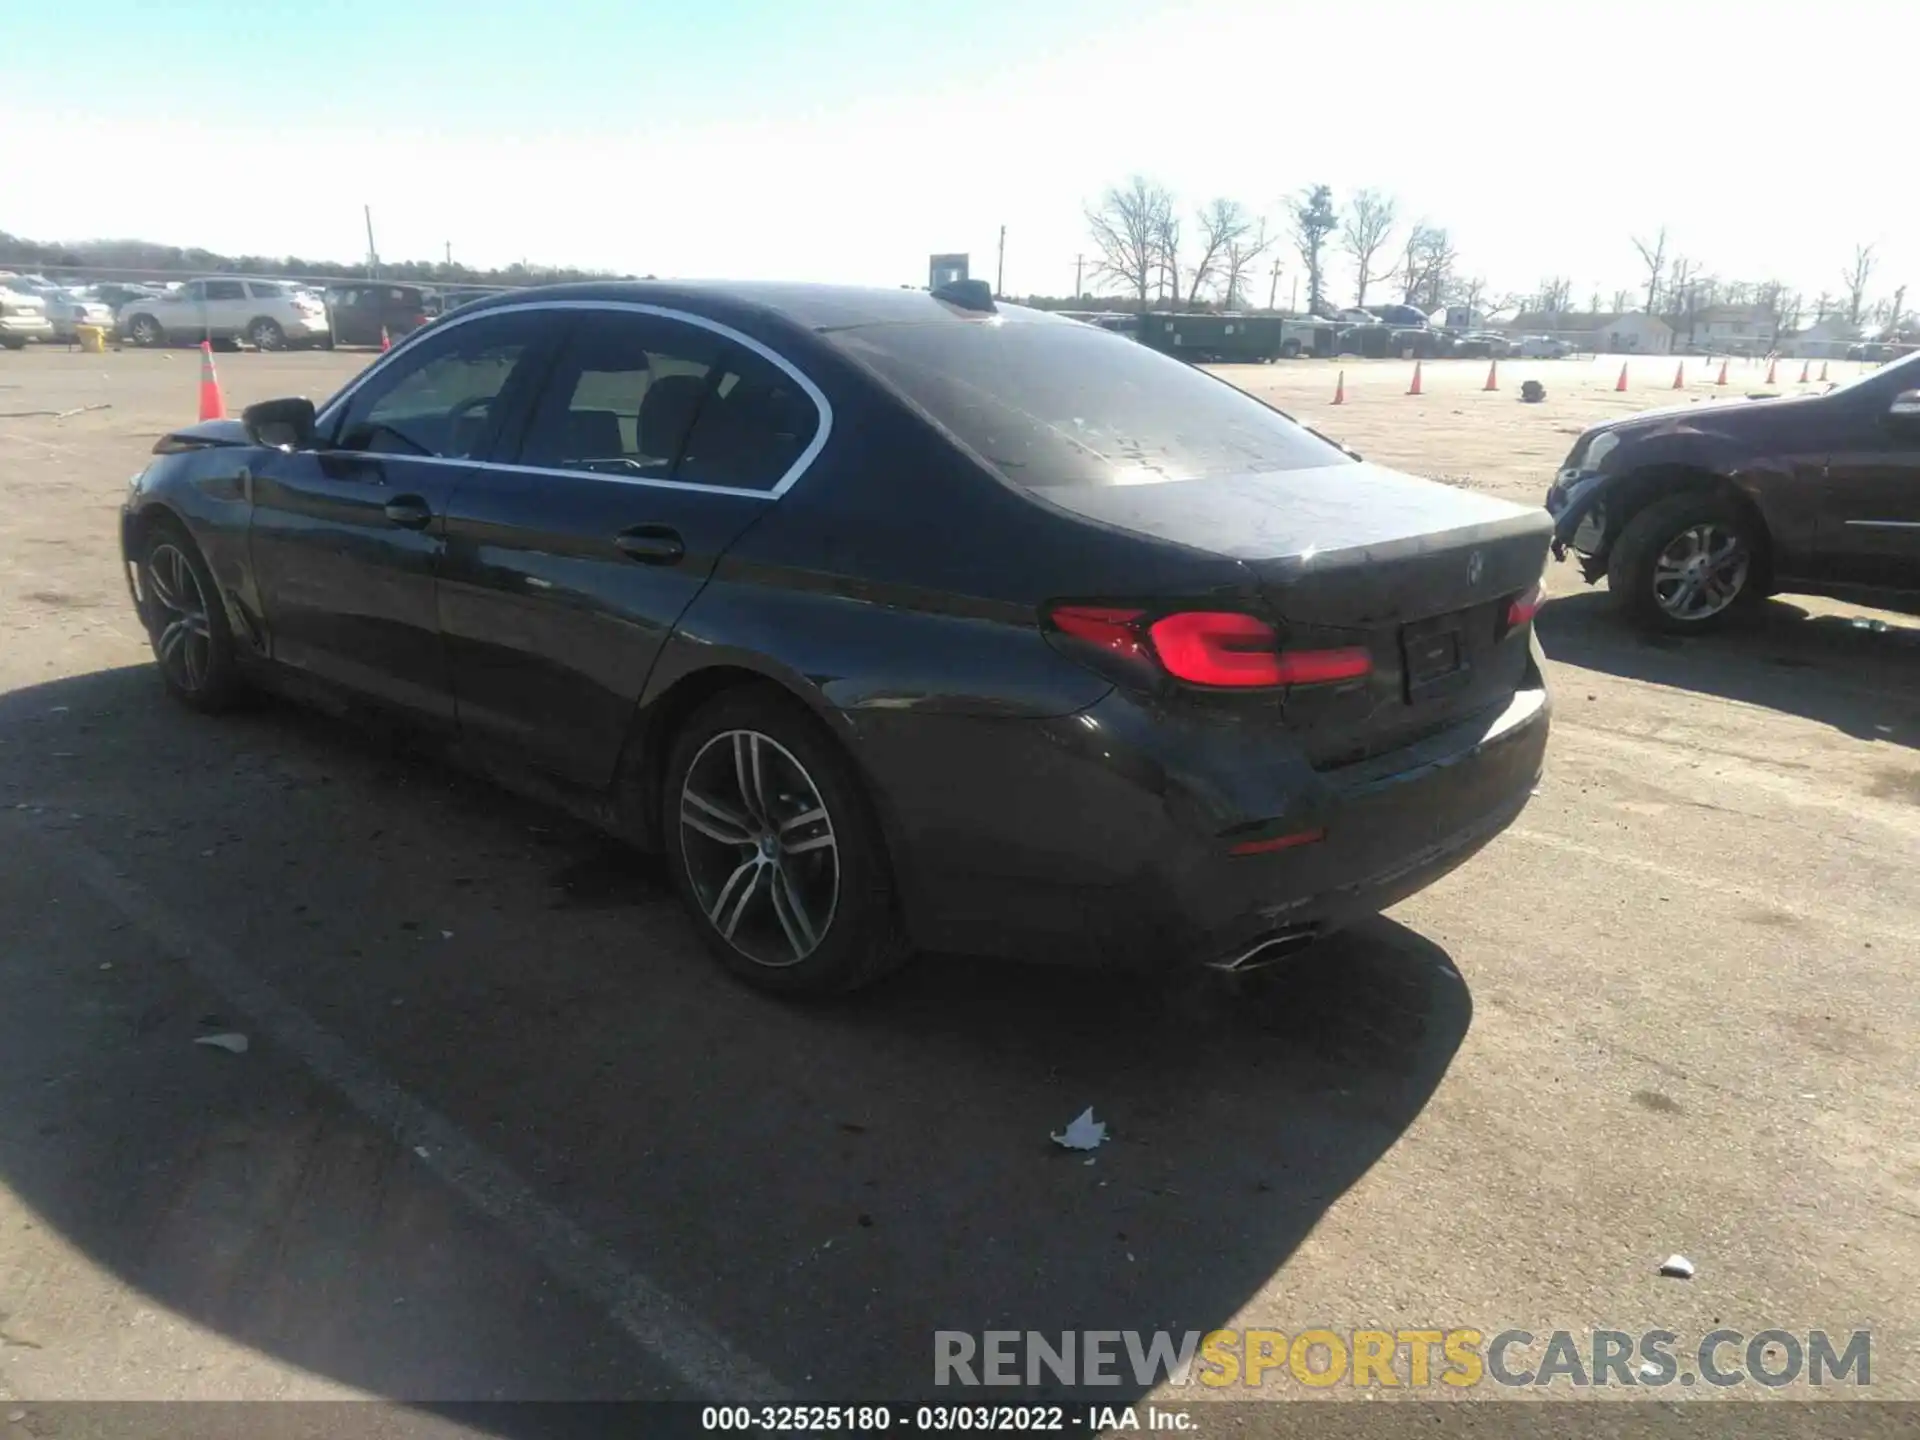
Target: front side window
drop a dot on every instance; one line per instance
(226, 290)
(445, 398)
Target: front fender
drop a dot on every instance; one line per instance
(1642, 469)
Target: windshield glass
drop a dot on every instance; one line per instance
(1051, 403)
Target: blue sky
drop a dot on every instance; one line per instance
(846, 141)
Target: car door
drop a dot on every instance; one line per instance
(225, 309)
(184, 313)
(658, 440)
(1870, 502)
(347, 539)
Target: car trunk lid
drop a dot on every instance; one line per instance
(1422, 575)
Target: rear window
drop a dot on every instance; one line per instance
(1052, 403)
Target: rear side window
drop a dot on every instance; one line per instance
(754, 425)
(623, 395)
(268, 289)
(1051, 403)
(654, 398)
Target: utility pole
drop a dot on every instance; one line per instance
(1273, 290)
(449, 245)
(1294, 304)
(1078, 262)
(1000, 270)
(373, 253)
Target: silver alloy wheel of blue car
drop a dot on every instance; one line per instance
(759, 847)
(182, 634)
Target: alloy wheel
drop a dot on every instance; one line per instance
(182, 635)
(1700, 571)
(759, 847)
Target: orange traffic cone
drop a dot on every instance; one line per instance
(1414, 389)
(1680, 376)
(212, 406)
(386, 340)
(1621, 383)
(1723, 373)
(1772, 365)
(1340, 389)
(1806, 371)
(1823, 372)
(1493, 376)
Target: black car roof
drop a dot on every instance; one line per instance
(810, 307)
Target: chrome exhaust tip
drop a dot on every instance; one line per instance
(1268, 950)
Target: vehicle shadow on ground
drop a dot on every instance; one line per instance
(1859, 674)
(827, 1185)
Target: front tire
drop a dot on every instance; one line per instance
(1686, 565)
(185, 620)
(775, 850)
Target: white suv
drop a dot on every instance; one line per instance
(269, 314)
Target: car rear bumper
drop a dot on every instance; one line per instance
(26, 327)
(1098, 839)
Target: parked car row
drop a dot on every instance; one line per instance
(268, 314)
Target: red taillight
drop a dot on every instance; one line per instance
(1220, 648)
(1108, 628)
(1525, 607)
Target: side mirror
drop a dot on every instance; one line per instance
(1905, 409)
(280, 424)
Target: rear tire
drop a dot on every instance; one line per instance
(266, 334)
(1686, 565)
(186, 621)
(146, 332)
(775, 850)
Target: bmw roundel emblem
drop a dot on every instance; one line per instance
(1476, 566)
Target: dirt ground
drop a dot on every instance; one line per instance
(502, 1131)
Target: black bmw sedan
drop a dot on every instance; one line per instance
(898, 620)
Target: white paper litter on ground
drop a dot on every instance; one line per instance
(1677, 1267)
(234, 1043)
(1084, 1133)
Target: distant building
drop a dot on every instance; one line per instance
(1744, 329)
(1825, 339)
(1631, 334)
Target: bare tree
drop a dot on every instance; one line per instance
(1556, 295)
(1685, 287)
(1823, 305)
(1427, 267)
(1237, 262)
(1128, 230)
(1897, 311)
(1364, 234)
(1314, 219)
(1167, 247)
(1621, 300)
(1223, 224)
(1653, 254)
(1856, 278)
(1469, 294)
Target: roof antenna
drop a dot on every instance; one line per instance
(968, 295)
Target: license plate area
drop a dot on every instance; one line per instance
(1434, 658)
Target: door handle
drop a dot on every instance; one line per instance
(409, 512)
(651, 544)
